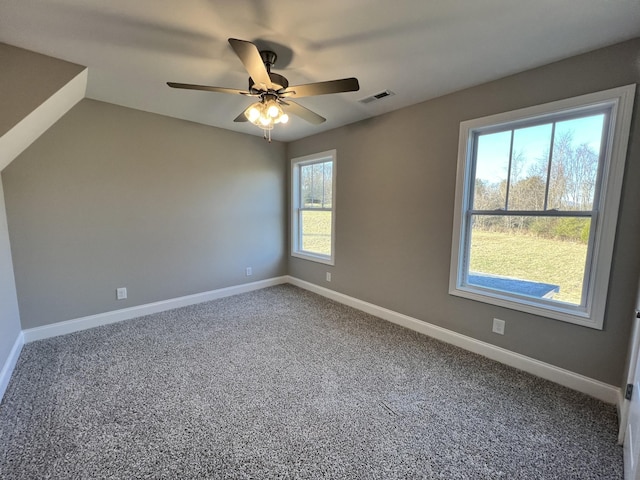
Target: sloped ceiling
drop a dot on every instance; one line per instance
(27, 81)
(418, 49)
(35, 91)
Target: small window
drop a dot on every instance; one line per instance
(536, 206)
(313, 207)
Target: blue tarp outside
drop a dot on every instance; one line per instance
(514, 285)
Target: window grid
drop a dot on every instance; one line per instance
(547, 213)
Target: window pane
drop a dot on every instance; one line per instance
(316, 185)
(529, 164)
(540, 257)
(492, 166)
(328, 184)
(315, 231)
(306, 185)
(574, 167)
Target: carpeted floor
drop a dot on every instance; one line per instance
(281, 383)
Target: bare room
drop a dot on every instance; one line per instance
(280, 239)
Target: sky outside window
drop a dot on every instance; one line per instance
(532, 142)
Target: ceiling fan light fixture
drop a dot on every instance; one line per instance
(266, 122)
(266, 113)
(273, 110)
(253, 113)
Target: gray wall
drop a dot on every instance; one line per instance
(27, 80)
(112, 197)
(9, 314)
(395, 193)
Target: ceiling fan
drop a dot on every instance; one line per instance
(273, 90)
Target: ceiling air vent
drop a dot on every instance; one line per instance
(377, 96)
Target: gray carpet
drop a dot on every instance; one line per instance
(281, 383)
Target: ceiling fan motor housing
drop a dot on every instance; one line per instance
(279, 82)
(269, 59)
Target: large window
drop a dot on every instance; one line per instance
(313, 207)
(536, 206)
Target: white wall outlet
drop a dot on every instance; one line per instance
(498, 326)
(121, 293)
(248, 271)
(328, 276)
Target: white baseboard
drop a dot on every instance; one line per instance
(69, 326)
(600, 390)
(10, 364)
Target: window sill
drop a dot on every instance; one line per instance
(313, 258)
(553, 310)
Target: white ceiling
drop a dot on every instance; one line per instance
(419, 49)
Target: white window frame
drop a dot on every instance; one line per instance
(296, 209)
(591, 313)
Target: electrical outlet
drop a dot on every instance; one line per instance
(121, 293)
(248, 271)
(328, 276)
(498, 326)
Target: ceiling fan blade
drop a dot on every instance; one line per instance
(252, 61)
(241, 118)
(322, 88)
(302, 112)
(189, 86)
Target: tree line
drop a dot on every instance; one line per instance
(566, 182)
